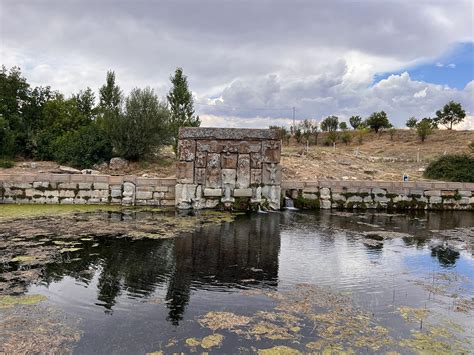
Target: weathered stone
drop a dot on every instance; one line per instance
(68, 170)
(324, 193)
(465, 193)
(213, 172)
(271, 174)
(68, 185)
(228, 177)
(310, 196)
(377, 191)
(41, 184)
(115, 193)
(143, 195)
(243, 171)
(433, 193)
(338, 197)
(228, 147)
(354, 199)
(101, 186)
(436, 199)
(229, 160)
(118, 164)
(184, 195)
(128, 189)
(272, 195)
(243, 192)
(201, 160)
(200, 176)
(256, 160)
(158, 195)
(325, 204)
(84, 185)
(186, 149)
(66, 193)
(255, 176)
(380, 199)
(271, 151)
(212, 192)
(185, 172)
(210, 146)
(33, 192)
(211, 203)
(228, 133)
(448, 193)
(247, 147)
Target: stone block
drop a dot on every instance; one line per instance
(84, 185)
(209, 146)
(66, 193)
(186, 149)
(115, 193)
(354, 199)
(448, 193)
(465, 193)
(158, 195)
(213, 170)
(201, 160)
(463, 201)
(51, 193)
(167, 203)
(271, 174)
(33, 192)
(229, 177)
(381, 199)
(212, 192)
(67, 185)
(200, 176)
(101, 186)
(185, 193)
(128, 189)
(246, 147)
(41, 184)
(271, 151)
(433, 193)
(378, 191)
(338, 197)
(243, 171)
(243, 192)
(185, 172)
(256, 160)
(436, 199)
(272, 194)
(128, 201)
(310, 196)
(229, 160)
(325, 204)
(227, 146)
(211, 203)
(144, 195)
(255, 176)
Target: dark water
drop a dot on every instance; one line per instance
(135, 296)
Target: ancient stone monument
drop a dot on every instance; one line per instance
(228, 167)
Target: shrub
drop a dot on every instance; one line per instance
(458, 168)
(6, 164)
(346, 138)
(424, 128)
(83, 148)
(411, 122)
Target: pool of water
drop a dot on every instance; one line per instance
(299, 281)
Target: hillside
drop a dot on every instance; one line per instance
(379, 158)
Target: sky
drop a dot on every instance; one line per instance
(249, 62)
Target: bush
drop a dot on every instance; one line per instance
(458, 168)
(83, 148)
(346, 138)
(6, 164)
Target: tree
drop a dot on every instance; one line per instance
(411, 122)
(425, 127)
(181, 106)
(378, 121)
(452, 113)
(315, 132)
(330, 124)
(306, 127)
(110, 95)
(142, 127)
(343, 126)
(85, 101)
(355, 121)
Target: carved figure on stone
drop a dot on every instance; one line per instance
(201, 160)
(272, 169)
(228, 182)
(243, 171)
(271, 151)
(186, 149)
(256, 176)
(256, 160)
(271, 174)
(200, 176)
(213, 173)
(185, 172)
(229, 160)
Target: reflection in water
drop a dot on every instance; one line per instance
(221, 256)
(446, 256)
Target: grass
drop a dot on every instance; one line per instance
(6, 164)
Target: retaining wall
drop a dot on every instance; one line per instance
(132, 190)
(86, 189)
(379, 195)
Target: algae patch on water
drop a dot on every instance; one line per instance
(28, 211)
(207, 342)
(11, 301)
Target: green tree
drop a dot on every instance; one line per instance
(181, 105)
(425, 127)
(7, 139)
(110, 103)
(378, 121)
(355, 121)
(412, 122)
(85, 101)
(330, 124)
(343, 126)
(452, 113)
(142, 128)
(315, 132)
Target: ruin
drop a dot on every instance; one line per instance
(228, 167)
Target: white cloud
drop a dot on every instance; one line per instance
(439, 65)
(451, 65)
(421, 93)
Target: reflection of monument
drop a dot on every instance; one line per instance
(235, 254)
(446, 256)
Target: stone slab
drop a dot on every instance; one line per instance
(228, 133)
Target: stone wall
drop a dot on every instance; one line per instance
(227, 167)
(86, 189)
(379, 195)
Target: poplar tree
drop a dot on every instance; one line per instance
(181, 106)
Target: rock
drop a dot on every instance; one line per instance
(345, 162)
(118, 163)
(34, 165)
(382, 235)
(145, 175)
(101, 166)
(68, 170)
(370, 171)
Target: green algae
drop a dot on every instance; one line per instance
(279, 350)
(23, 258)
(65, 250)
(28, 211)
(11, 301)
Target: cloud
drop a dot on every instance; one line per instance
(250, 60)
(451, 65)
(439, 65)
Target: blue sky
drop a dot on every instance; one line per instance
(454, 69)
